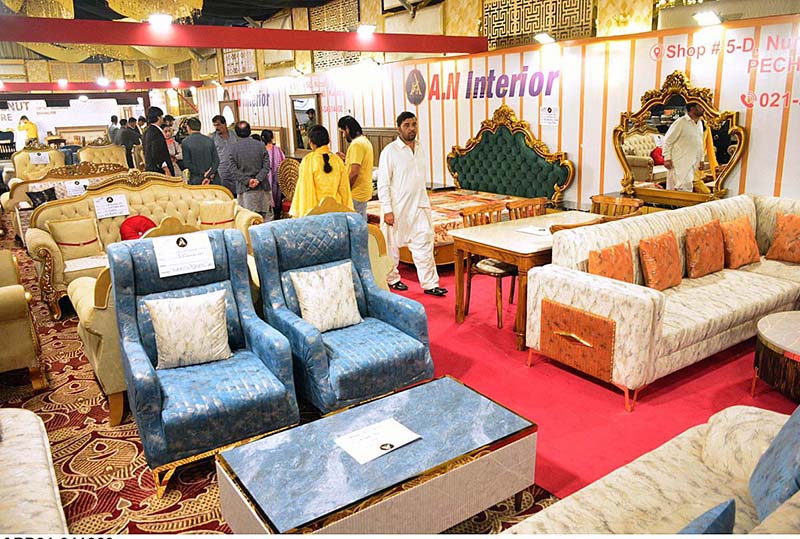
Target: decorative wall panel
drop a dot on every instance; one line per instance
(239, 63)
(616, 17)
(113, 71)
(302, 59)
(336, 16)
(37, 70)
(509, 23)
(462, 17)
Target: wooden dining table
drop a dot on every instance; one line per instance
(524, 243)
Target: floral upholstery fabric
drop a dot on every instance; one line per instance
(705, 249)
(186, 411)
(328, 364)
(661, 263)
(767, 209)
(740, 243)
(775, 268)
(665, 489)
(717, 520)
(29, 499)
(786, 243)
(615, 262)
(785, 519)
(327, 296)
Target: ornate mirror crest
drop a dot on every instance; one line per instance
(675, 94)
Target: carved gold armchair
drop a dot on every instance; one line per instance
(103, 151)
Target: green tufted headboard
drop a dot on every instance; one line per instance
(505, 158)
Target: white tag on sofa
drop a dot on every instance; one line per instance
(40, 158)
(76, 188)
(182, 254)
(111, 206)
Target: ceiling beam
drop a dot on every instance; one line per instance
(179, 35)
(7, 87)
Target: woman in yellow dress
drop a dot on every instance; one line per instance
(322, 174)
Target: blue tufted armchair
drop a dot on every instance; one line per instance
(387, 351)
(188, 413)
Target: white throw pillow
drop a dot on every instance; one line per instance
(327, 297)
(190, 331)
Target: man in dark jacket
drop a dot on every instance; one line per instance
(250, 173)
(200, 155)
(129, 137)
(154, 144)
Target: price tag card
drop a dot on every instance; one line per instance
(376, 440)
(182, 254)
(548, 116)
(40, 158)
(111, 206)
(76, 187)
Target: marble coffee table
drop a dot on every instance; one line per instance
(777, 360)
(472, 454)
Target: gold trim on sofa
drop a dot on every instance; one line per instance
(505, 116)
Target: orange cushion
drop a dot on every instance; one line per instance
(705, 249)
(661, 261)
(615, 262)
(740, 243)
(786, 243)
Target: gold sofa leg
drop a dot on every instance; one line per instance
(116, 407)
(630, 403)
(162, 476)
(38, 380)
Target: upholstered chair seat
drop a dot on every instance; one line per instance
(105, 153)
(387, 350)
(187, 413)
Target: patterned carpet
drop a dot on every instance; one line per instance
(106, 486)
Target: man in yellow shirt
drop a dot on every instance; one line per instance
(358, 163)
(29, 127)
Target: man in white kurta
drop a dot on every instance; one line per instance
(683, 149)
(405, 207)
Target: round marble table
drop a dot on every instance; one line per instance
(777, 360)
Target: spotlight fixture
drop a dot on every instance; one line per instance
(120, 83)
(544, 38)
(102, 81)
(707, 18)
(83, 98)
(160, 20)
(62, 83)
(174, 81)
(249, 79)
(366, 29)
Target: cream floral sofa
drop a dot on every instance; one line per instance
(664, 490)
(657, 333)
(150, 194)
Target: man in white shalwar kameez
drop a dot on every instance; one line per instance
(405, 207)
(683, 149)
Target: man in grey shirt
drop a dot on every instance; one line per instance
(199, 155)
(224, 140)
(129, 137)
(251, 170)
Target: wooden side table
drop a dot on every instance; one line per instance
(777, 360)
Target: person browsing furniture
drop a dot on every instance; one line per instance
(684, 151)
(200, 155)
(156, 153)
(358, 163)
(129, 137)
(224, 141)
(405, 206)
(322, 174)
(174, 148)
(276, 157)
(251, 172)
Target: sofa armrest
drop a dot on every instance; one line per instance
(641, 167)
(13, 303)
(271, 347)
(243, 220)
(636, 311)
(42, 248)
(305, 339)
(405, 314)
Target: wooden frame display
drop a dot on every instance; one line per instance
(676, 84)
(299, 137)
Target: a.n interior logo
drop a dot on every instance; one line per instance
(415, 87)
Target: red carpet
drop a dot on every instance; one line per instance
(584, 430)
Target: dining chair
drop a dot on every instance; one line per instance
(484, 215)
(526, 207)
(556, 228)
(616, 206)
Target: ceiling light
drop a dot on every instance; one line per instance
(83, 98)
(120, 83)
(62, 83)
(366, 29)
(102, 81)
(160, 20)
(174, 81)
(544, 38)
(707, 18)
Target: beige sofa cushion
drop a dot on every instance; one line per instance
(639, 145)
(216, 214)
(785, 519)
(775, 268)
(698, 309)
(110, 153)
(767, 209)
(77, 238)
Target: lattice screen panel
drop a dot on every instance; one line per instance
(336, 16)
(509, 23)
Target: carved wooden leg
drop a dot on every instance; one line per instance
(38, 380)
(459, 270)
(116, 407)
(162, 477)
(522, 307)
(49, 294)
(469, 284)
(513, 285)
(499, 301)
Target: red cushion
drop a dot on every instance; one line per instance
(658, 157)
(133, 227)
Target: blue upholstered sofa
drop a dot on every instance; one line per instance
(188, 413)
(388, 350)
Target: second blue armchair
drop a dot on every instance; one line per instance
(388, 350)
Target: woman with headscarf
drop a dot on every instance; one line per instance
(276, 157)
(322, 174)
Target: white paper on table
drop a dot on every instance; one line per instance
(76, 187)
(111, 206)
(182, 254)
(376, 440)
(535, 230)
(40, 158)
(87, 262)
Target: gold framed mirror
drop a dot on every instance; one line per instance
(305, 114)
(639, 134)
